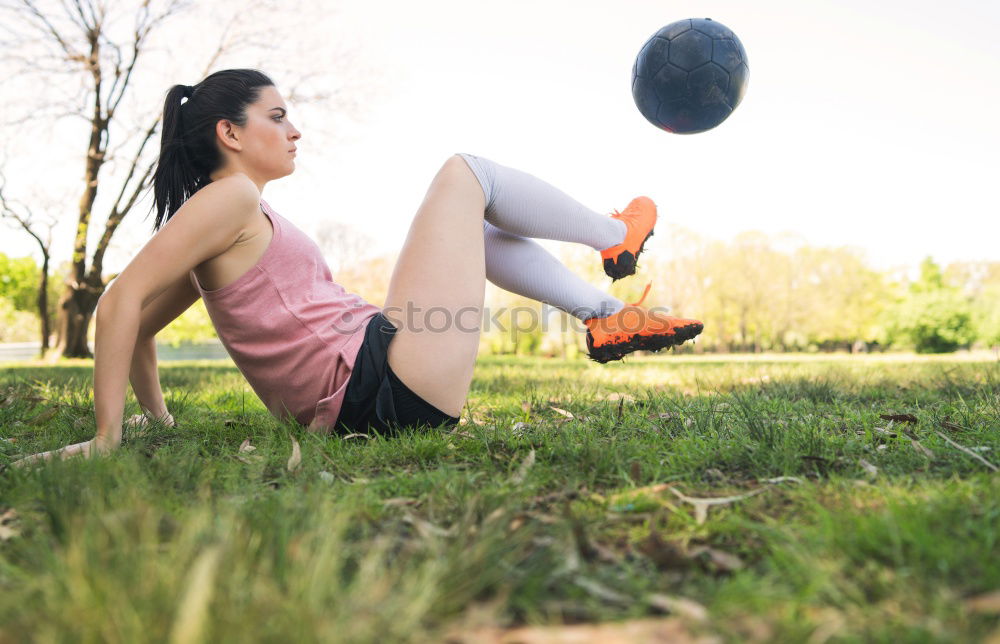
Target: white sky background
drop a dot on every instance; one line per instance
(865, 124)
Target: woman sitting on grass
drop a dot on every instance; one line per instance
(311, 350)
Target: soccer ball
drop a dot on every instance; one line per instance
(690, 76)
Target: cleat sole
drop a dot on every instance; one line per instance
(625, 264)
(651, 343)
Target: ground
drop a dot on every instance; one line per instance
(667, 497)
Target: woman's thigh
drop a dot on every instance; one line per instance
(435, 296)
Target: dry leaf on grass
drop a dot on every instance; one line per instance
(701, 505)
(243, 454)
(7, 528)
(899, 418)
(884, 432)
(348, 436)
(720, 560)
(987, 603)
(673, 555)
(634, 631)
(426, 528)
(296, 458)
(526, 464)
(920, 448)
(603, 592)
(562, 412)
(400, 501)
(680, 606)
(950, 426)
(784, 479)
(968, 451)
(868, 467)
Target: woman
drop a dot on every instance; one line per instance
(310, 350)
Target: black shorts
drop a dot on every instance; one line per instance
(376, 397)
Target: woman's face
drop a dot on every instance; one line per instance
(267, 141)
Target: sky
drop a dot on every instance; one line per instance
(864, 124)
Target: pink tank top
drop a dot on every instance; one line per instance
(292, 331)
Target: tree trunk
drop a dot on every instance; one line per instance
(78, 304)
(43, 303)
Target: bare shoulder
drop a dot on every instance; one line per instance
(205, 226)
(229, 204)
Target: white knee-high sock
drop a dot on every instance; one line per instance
(522, 204)
(523, 266)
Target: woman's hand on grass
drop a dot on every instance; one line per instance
(96, 445)
(136, 421)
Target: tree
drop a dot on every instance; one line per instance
(980, 282)
(83, 38)
(40, 229)
(934, 317)
(19, 281)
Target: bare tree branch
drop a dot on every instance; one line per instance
(71, 54)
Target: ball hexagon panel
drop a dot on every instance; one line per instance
(708, 85)
(645, 98)
(670, 83)
(689, 50)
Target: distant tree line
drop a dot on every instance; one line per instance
(754, 293)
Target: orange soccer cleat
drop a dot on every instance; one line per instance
(639, 217)
(635, 328)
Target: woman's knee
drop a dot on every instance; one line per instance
(470, 173)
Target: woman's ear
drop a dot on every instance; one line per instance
(229, 135)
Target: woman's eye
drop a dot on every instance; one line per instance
(277, 118)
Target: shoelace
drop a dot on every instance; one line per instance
(644, 294)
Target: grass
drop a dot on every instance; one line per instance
(879, 531)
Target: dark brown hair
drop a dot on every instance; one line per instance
(189, 153)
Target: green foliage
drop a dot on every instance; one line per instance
(16, 325)
(986, 316)
(192, 326)
(934, 317)
(932, 322)
(931, 278)
(19, 279)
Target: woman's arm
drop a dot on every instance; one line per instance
(117, 323)
(205, 226)
(145, 378)
(156, 315)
